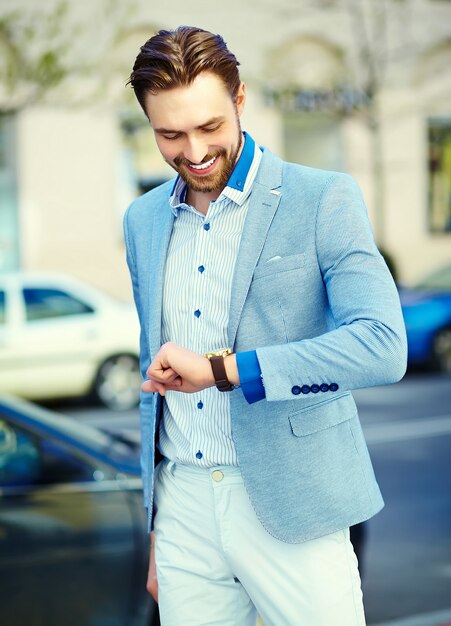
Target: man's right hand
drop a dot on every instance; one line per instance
(152, 583)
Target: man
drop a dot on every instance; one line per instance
(273, 267)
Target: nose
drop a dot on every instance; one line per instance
(195, 150)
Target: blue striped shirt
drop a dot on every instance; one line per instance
(196, 428)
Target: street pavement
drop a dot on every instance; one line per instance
(407, 554)
(408, 550)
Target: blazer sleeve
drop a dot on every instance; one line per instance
(368, 347)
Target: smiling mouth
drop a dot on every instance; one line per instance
(202, 167)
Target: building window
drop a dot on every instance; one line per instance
(439, 211)
(9, 235)
(313, 139)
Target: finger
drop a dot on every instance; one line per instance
(168, 375)
(176, 382)
(155, 368)
(161, 388)
(161, 376)
(147, 386)
(150, 386)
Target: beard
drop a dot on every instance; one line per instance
(217, 180)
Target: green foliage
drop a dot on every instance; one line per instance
(48, 70)
(32, 55)
(41, 49)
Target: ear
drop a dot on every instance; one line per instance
(240, 98)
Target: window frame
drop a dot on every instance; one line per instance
(435, 126)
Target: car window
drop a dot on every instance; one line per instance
(19, 459)
(27, 458)
(2, 307)
(50, 303)
(61, 466)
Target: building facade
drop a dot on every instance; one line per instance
(332, 84)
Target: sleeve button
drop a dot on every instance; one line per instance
(333, 386)
(296, 390)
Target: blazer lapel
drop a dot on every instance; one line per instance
(161, 235)
(263, 204)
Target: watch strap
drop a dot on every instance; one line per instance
(219, 373)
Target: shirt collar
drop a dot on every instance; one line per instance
(241, 170)
(239, 183)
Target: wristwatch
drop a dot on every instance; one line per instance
(219, 372)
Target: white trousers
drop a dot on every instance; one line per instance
(217, 566)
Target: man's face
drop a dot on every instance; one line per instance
(198, 131)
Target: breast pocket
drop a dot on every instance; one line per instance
(279, 265)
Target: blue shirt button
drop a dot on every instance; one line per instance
(197, 313)
(200, 405)
(199, 454)
(305, 389)
(296, 390)
(333, 386)
(324, 387)
(314, 388)
(207, 226)
(201, 268)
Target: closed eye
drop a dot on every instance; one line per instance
(172, 136)
(211, 129)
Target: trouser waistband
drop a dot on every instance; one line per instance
(224, 474)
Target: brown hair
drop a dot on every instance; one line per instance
(173, 58)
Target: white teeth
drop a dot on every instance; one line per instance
(203, 166)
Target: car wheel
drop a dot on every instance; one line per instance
(118, 382)
(442, 350)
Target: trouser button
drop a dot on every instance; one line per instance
(217, 476)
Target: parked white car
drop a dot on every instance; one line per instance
(62, 338)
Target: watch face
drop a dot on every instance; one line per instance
(223, 352)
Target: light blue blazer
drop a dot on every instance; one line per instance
(325, 313)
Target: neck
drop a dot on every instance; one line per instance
(200, 200)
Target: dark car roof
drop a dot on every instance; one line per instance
(104, 447)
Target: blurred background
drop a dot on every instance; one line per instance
(361, 86)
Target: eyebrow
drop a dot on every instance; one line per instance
(213, 120)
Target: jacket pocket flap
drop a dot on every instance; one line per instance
(322, 415)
